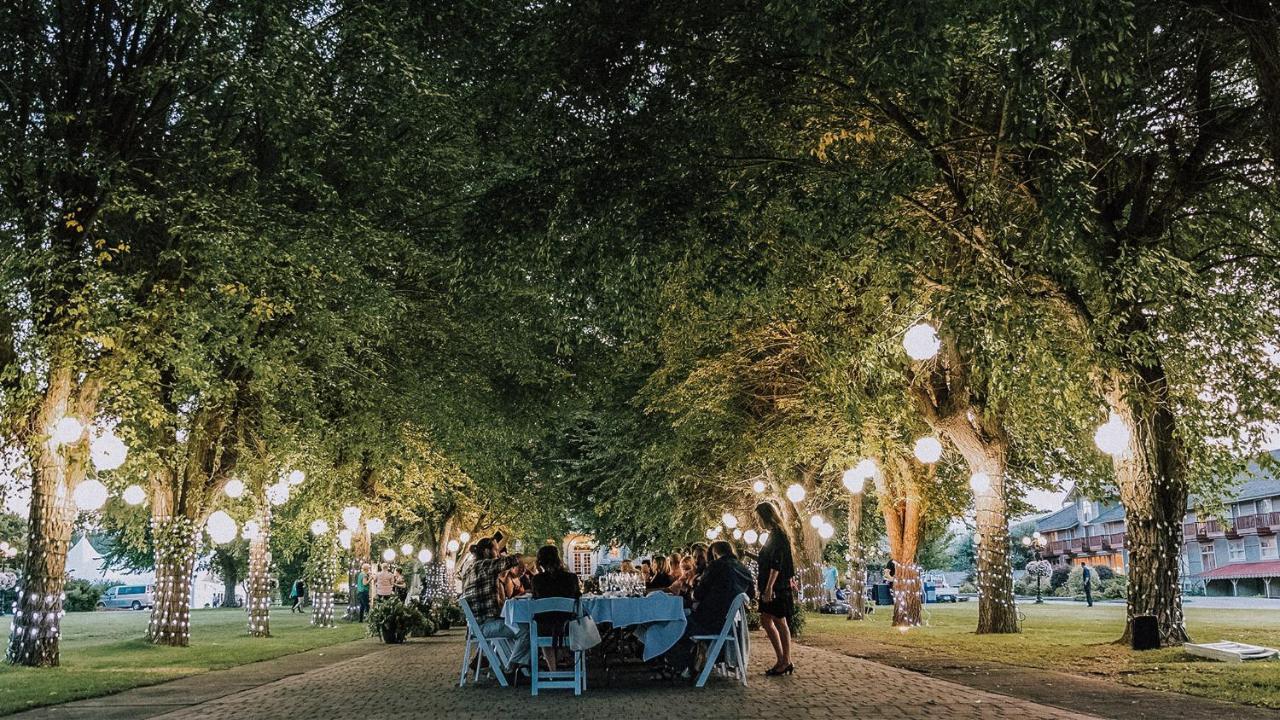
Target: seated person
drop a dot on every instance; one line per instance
(481, 589)
(553, 580)
(661, 579)
(646, 570)
(684, 584)
(724, 579)
(627, 567)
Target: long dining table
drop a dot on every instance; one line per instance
(657, 619)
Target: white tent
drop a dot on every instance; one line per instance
(85, 562)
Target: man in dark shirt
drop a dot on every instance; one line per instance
(724, 579)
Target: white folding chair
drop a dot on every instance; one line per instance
(734, 633)
(495, 649)
(574, 679)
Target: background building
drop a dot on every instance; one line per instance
(1236, 556)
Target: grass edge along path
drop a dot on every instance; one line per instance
(105, 653)
(1075, 639)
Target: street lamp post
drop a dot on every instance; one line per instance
(1038, 542)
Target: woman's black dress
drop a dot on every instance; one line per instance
(776, 555)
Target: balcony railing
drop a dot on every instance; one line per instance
(1056, 547)
(1260, 523)
(1114, 541)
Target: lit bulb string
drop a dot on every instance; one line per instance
(995, 583)
(175, 540)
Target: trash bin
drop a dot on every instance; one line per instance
(883, 595)
(930, 593)
(1146, 632)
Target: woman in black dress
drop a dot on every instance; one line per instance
(776, 600)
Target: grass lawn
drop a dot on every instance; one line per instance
(102, 652)
(1078, 639)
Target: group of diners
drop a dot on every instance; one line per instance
(708, 578)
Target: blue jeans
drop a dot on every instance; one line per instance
(495, 628)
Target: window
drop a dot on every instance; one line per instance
(1267, 547)
(1207, 558)
(1235, 549)
(1245, 508)
(1086, 511)
(1264, 505)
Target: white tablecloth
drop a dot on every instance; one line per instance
(658, 619)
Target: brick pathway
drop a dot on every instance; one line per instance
(419, 680)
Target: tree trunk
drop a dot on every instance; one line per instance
(36, 625)
(898, 493)
(987, 452)
(907, 601)
(857, 561)
(323, 572)
(259, 585)
(175, 540)
(360, 554)
(229, 581)
(1153, 488)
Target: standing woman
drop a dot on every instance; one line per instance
(776, 600)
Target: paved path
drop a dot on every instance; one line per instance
(419, 680)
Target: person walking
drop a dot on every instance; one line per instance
(777, 603)
(1086, 573)
(298, 593)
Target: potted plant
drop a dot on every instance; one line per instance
(392, 620)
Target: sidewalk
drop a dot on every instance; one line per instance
(419, 680)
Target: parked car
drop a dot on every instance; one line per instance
(132, 597)
(943, 592)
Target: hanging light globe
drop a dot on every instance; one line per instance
(296, 477)
(928, 450)
(319, 527)
(234, 488)
(980, 483)
(826, 531)
(388, 554)
(712, 533)
(251, 530)
(464, 538)
(921, 341)
(278, 494)
(134, 495)
(406, 549)
(751, 536)
(758, 486)
(107, 451)
(729, 520)
(737, 534)
(453, 546)
(1112, 437)
(424, 556)
(764, 537)
(344, 538)
(351, 518)
(853, 480)
(66, 431)
(89, 495)
(375, 525)
(222, 528)
(796, 493)
(816, 522)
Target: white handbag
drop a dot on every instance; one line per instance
(583, 633)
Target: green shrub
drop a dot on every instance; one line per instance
(82, 595)
(969, 588)
(393, 621)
